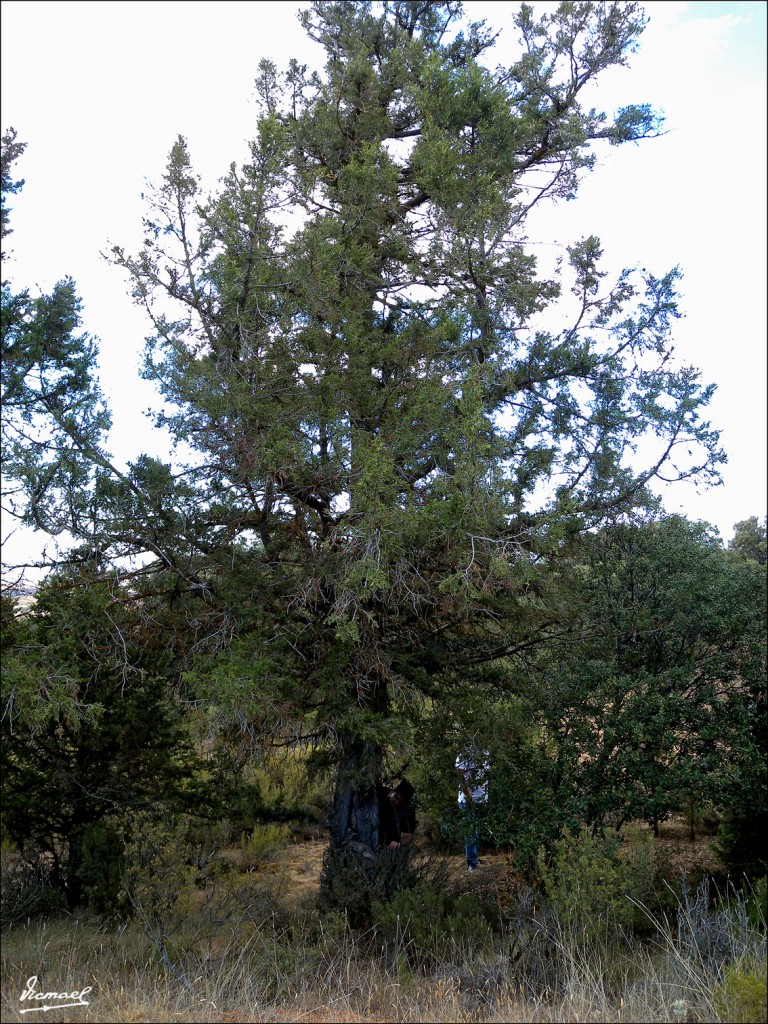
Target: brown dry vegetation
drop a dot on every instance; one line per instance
(497, 881)
(284, 963)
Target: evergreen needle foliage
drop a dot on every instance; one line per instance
(385, 441)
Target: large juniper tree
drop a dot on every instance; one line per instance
(349, 337)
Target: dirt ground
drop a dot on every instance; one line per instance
(497, 879)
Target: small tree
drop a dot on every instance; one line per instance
(749, 539)
(653, 697)
(89, 731)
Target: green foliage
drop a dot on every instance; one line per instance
(89, 729)
(346, 402)
(292, 786)
(522, 811)
(180, 892)
(10, 151)
(101, 868)
(594, 888)
(158, 880)
(651, 699)
(220, 787)
(740, 842)
(53, 416)
(159, 869)
(427, 923)
(749, 540)
(264, 844)
(742, 997)
(388, 444)
(356, 878)
(758, 903)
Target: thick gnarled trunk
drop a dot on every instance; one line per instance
(357, 870)
(355, 816)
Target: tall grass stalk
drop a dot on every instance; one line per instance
(706, 943)
(310, 967)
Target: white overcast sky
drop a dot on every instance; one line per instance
(100, 90)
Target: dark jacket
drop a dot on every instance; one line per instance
(394, 822)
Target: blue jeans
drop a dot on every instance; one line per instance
(472, 836)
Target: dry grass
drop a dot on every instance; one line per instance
(278, 960)
(257, 977)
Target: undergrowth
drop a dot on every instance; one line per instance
(602, 937)
(222, 947)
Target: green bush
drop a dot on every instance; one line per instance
(159, 872)
(181, 892)
(741, 998)
(102, 864)
(594, 886)
(427, 923)
(263, 844)
(356, 878)
(292, 786)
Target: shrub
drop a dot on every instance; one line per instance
(181, 893)
(593, 887)
(741, 998)
(102, 865)
(111, 740)
(27, 886)
(263, 844)
(740, 842)
(158, 874)
(426, 923)
(355, 878)
(292, 786)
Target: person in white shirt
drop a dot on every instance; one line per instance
(473, 772)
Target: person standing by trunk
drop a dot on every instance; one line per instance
(397, 818)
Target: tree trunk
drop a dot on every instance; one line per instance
(357, 871)
(355, 816)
